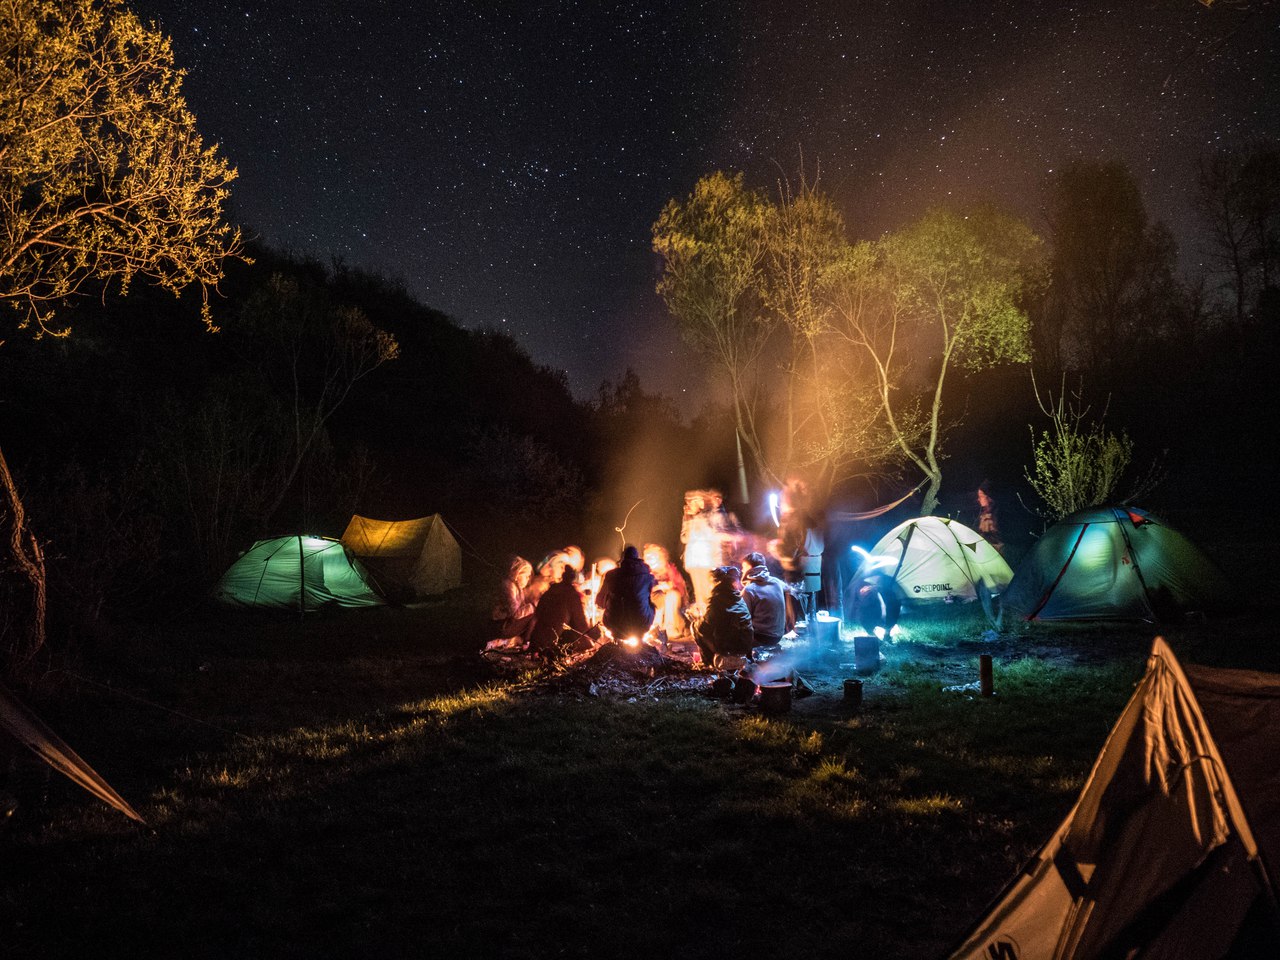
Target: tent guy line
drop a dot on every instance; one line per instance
(159, 706)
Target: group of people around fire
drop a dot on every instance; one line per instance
(736, 605)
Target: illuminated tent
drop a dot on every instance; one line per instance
(411, 558)
(23, 725)
(296, 573)
(1170, 849)
(1117, 563)
(936, 559)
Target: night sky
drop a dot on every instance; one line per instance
(506, 160)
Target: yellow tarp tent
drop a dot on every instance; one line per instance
(408, 558)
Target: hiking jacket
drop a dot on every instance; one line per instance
(726, 628)
(800, 552)
(673, 580)
(626, 599)
(510, 603)
(766, 598)
(559, 607)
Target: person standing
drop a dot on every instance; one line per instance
(799, 548)
(711, 538)
(701, 545)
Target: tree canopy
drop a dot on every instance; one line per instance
(103, 175)
(946, 291)
(836, 353)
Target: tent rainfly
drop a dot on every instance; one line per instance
(1113, 563)
(1170, 849)
(936, 559)
(23, 725)
(296, 573)
(408, 558)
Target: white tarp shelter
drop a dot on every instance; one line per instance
(1169, 852)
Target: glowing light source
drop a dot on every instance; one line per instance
(773, 508)
(872, 562)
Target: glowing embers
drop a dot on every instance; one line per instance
(633, 643)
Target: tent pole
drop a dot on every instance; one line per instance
(302, 582)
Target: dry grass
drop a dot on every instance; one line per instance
(366, 790)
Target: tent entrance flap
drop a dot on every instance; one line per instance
(32, 732)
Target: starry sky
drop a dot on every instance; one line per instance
(506, 159)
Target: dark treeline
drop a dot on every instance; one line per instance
(150, 452)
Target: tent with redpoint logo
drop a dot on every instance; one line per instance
(1113, 563)
(934, 559)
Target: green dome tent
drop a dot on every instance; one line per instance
(296, 573)
(1113, 563)
(936, 559)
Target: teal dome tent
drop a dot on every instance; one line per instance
(1113, 563)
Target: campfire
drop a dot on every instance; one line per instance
(648, 645)
(629, 668)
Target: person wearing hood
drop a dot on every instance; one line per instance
(547, 573)
(512, 618)
(766, 598)
(626, 596)
(725, 629)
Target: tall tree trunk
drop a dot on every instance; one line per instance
(28, 560)
(930, 501)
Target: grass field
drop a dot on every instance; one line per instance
(362, 786)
